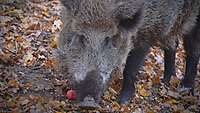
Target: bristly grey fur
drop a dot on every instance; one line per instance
(167, 19)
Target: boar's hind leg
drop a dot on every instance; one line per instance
(169, 60)
(133, 63)
(192, 48)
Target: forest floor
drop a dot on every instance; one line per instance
(31, 83)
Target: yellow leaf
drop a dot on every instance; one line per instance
(19, 39)
(46, 13)
(54, 42)
(143, 92)
(173, 101)
(150, 111)
(112, 91)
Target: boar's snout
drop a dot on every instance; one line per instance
(90, 89)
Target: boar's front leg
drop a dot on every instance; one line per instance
(169, 63)
(192, 48)
(133, 62)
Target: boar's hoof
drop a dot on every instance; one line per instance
(165, 81)
(126, 96)
(89, 103)
(186, 90)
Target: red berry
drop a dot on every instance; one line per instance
(71, 94)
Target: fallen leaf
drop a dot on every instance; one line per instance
(143, 92)
(156, 80)
(35, 26)
(13, 83)
(115, 106)
(54, 42)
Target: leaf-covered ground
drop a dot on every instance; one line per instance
(30, 81)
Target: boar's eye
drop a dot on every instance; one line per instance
(106, 41)
(112, 42)
(79, 40)
(82, 39)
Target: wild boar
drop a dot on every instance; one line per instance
(96, 40)
(102, 35)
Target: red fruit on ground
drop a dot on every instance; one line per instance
(71, 94)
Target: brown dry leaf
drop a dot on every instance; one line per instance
(13, 13)
(156, 80)
(107, 97)
(13, 83)
(47, 26)
(55, 104)
(51, 63)
(27, 85)
(112, 91)
(175, 82)
(33, 98)
(149, 67)
(11, 103)
(149, 70)
(35, 26)
(60, 82)
(7, 58)
(19, 39)
(149, 64)
(29, 59)
(10, 46)
(32, 62)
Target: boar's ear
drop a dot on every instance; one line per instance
(132, 22)
(129, 13)
(71, 5)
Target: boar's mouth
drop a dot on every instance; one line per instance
(89, 103)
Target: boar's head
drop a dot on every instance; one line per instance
(96, 39)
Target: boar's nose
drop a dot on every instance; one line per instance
(89, 103)
(90, 90)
